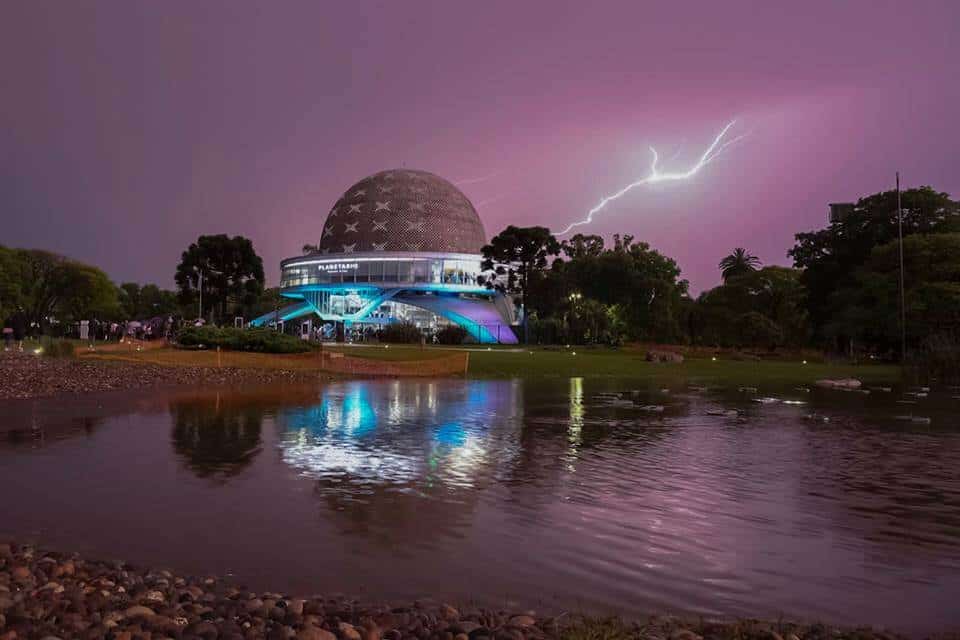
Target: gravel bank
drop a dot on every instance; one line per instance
(48, 595)
(25, 375)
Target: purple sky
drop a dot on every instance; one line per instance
(129, 128)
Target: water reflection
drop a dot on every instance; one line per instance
(412, 435)
(216, 436)
(578, 490)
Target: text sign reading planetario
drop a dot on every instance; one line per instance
(338, 267)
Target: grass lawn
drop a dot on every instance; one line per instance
(508, 363)
(535, 363)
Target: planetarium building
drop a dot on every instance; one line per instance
(399, 245)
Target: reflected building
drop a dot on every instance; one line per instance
(403, 455)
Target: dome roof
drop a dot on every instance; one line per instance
(403, 210)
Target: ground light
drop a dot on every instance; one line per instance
(38, 351)
(714, 358)
(804, 362)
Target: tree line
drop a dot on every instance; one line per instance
(52, 292)
(841, 294)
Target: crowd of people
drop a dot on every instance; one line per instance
(17, 327)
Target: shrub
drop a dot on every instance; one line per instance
(233, 339)
(938, 358)
(401, 333)
(451, 334)
(59, 349)
(757, 330)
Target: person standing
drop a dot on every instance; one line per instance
(19, 324)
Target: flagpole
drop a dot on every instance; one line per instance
(903, 306)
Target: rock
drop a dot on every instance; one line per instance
(138, 611)
(315, 633)
(684, 634)
(21, 573)
(155, 596)
(522, 621)
(843, 383)
(659, 355)
(348, 632)
(449, 613)
(254, 605)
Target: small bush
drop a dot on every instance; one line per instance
(59, 349)
(233, 339)
(401, 333)
(451, 334)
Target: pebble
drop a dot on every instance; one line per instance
(90, 599)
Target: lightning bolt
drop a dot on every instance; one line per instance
(715, 149)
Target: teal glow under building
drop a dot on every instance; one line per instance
(399, 245)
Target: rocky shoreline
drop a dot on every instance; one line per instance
(48, 595)
(24, 375)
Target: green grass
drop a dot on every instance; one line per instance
(532, 363)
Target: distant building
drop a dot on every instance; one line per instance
(840, 211)
(400, 245)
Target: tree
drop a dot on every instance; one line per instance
(516, 256)
(774, 292)
(738, 263)
(148, 301)
(831, 257)
(639, 288)
(581, 246)
(46, 285)
(231, 272)
(869, 305)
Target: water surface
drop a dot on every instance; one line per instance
(551, 494)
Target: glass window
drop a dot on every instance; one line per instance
(390, 271)
(405, 271)
(421, 271)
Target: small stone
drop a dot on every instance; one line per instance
(155, 596)
(139, 610)
(20, 573)
(449, 613)
(348, 631)
(522, 621)
(315, 633)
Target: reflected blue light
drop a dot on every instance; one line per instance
(350, 413)
(451, 435)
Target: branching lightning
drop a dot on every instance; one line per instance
(655, 175)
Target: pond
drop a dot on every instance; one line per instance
(563, 494)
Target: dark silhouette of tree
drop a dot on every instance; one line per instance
(231, 272)
(738, 263)
(516, 256)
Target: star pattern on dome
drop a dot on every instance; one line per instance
(423, 212)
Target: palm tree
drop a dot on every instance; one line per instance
(738, 263)
(311, 248)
